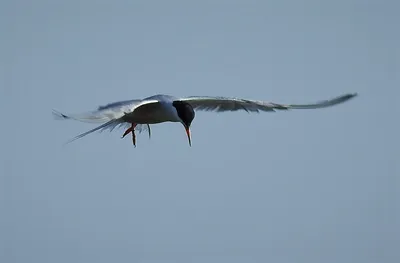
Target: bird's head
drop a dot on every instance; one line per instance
(186, 115)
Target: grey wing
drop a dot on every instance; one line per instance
(221, 104)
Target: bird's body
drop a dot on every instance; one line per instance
(140, 113)
(153, 113)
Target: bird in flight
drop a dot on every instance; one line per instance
(138, 114)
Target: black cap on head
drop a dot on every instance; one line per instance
(185, 112)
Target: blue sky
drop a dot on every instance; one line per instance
(297, 186)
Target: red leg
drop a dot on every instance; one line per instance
(127, 132)
(133, 134)
(131, 129)
(134, 138)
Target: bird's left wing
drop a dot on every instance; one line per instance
(110, 115)
(221, 104)
(105, 113)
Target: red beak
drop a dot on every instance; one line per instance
(188, 135)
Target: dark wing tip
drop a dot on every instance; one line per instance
(59, 116)
(351, 95)
(338, 100)
(344, 97)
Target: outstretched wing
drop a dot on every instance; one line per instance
(221, 104)
(110, 115)
(105, 113)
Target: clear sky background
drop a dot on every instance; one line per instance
(297, 186)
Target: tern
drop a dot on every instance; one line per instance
(140, 113)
